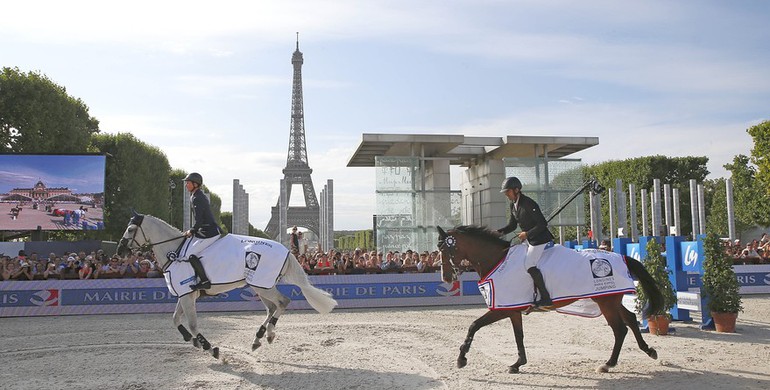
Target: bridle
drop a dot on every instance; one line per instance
(136, 220)
(449, 245)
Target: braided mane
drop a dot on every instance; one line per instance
(482, 233)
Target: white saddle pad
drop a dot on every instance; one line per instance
(232, 258)
(568, 274)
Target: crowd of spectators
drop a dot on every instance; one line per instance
(99, 265)
(80, 265)
(359, 261)
(752, 252)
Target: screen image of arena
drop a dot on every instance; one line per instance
(52, 192)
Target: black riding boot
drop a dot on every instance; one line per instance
(204, 283)
(537, 277)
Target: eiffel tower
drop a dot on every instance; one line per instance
(297, 169)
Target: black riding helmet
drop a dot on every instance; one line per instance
(194, 177)
(511, 183)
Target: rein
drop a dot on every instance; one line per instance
(147, 243)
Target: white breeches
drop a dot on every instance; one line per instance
(534, 252)
(194, 246)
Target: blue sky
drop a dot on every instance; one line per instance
(210, 83)
(81, 174)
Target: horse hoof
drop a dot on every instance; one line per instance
(215, 352)
(513, 370)
(653, 353)
(461, 362)
(603, 369)
(255, 346)
(270, 339)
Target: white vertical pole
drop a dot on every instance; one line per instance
(702, 208)
(632, 211)
(657, 214)
(667, 207)
(694, 207)
(611, 197)
(620, 196)
(677, 219)
(644, 211)
(730, 210)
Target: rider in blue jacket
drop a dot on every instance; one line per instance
(525, 212)
(202, 234)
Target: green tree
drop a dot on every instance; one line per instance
(749, 197)
(227, 220)
(178, 193)
(716, 207)
(760, 157)
(254, 232)
(137, 177)
(38, 116)
(760, 153)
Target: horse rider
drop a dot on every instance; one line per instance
(525, 212)
(203, 233)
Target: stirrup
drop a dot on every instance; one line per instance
(205, 285)
(543, 303)
(539, 306)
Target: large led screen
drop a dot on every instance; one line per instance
(52, 192)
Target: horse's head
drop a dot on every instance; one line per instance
(482, 248)
(130, 239)
(450, 258)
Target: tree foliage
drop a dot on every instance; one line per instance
(137, 177)
(719, 282)
(38, 116)
(716, 208)
(178, 193)
(227, 221)
(656, 266)
(749, 196)
(760, 153)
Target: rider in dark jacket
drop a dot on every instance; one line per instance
(525, 212)
(203, 233)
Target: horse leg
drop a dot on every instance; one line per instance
(270, 308)
(280, 302)
(630, 319)
(518, 333)
(178, 312)
(188, 306)
(610, 307)
(489, 317)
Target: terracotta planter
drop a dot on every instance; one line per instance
(724, 322)
(658, 325)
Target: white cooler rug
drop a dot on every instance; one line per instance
(232, 258)
(568, 274)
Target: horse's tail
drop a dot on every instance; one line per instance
(319, 299)
(648, 285)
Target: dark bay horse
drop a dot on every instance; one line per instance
(484, 250)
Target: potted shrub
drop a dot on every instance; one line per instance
(720, 285)
(655, 264)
